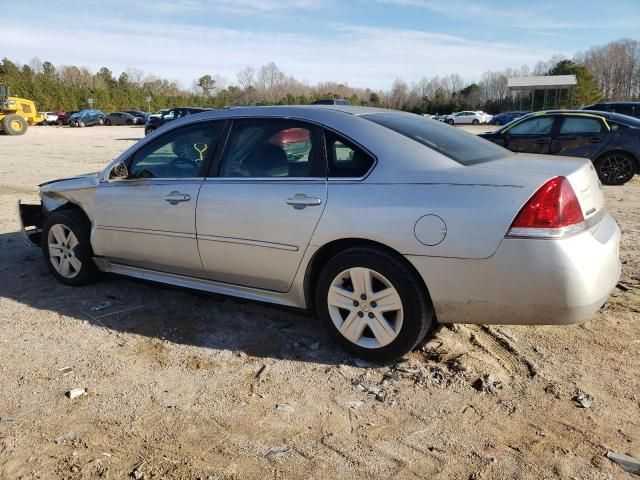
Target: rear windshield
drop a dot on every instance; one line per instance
(453, 142)
(625, 120)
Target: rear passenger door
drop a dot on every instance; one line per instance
(580, 136)
(260, 205)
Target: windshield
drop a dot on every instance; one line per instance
(458, 145)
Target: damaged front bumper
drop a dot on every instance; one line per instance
(31, 220)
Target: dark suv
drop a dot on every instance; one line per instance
(610, 140)
(158, 119)
(625, 108)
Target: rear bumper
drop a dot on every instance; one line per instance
(528, 281)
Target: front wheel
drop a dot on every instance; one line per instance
(616, 168)
(450, 121)
(14, 125)
(107, 122)
(373, 304)
(67, 248)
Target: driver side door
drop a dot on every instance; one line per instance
(148, 219)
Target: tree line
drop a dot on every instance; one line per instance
(608, 72)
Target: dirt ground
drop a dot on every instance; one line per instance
(194, 386)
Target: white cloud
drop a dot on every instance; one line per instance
(537, 17)
(360, 56)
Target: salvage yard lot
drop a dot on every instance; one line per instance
(182, 384)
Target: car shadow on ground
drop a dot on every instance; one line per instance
(176, 315)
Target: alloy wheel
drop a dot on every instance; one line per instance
(365, 307)
(61, 244)
(616, 169)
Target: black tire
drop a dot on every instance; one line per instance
(450, 121)
(148, 130)
(14, 125)
(60, 123)
(476, 121)
(616, 168)
(418, 313)
(129, 122)
(107, 122)
(497, 122)
(75, 221)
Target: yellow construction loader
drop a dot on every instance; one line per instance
(16, 114)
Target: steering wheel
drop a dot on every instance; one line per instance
(178, 160)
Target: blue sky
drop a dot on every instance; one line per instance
(365, 43)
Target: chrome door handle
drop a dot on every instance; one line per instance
(176, 197)
(300, 200)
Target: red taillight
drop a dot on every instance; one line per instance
(553, 211)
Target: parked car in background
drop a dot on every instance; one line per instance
(467, 117)
(139, 116)
(50, 118)
(119, 118)
(506, 117)
(167, 115)
(383, 223)
(331, 101)
(610, 140)
(64, 118)
(86, 118)
(625, 108)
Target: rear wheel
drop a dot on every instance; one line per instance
(497, 122)
(616, 168)
(67, 249)
(14, 125)
(476, 121)
(129, 122)
(107, 122)
(372, 304)
(148, 130)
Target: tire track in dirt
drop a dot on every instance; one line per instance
(503, 352)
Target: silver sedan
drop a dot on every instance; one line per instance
(381, 221)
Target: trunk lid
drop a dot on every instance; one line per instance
(579, 171)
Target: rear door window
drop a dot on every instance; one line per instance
(580, 125)
(273, 148)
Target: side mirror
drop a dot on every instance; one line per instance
(119, 172)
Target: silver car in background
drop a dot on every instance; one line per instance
(383, 222)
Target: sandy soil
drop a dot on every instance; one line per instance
(186, 385)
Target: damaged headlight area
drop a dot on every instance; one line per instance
(31, 221)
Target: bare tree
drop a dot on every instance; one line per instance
(135, 75)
